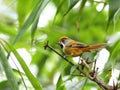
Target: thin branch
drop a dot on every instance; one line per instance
(93, 77)
(94, 65)
(94, 72)
(19, 73)
(48, 46)
(86, 65)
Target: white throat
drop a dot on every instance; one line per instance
(65, 43)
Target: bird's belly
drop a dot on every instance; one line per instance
(73, 52)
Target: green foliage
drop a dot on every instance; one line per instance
(28, 73)
(8, 70)
(78, 19)
(114, 6)
(23, 11)
(28, 22)
(4, 85)
(60, 85)
(72, 3)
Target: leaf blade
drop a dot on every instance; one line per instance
(35, 83)
(8, 70)
(60, 85)
(28, 22)
(72, 3)
(114, 5)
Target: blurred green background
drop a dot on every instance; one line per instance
(27, 24)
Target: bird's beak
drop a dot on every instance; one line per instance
(59, 43)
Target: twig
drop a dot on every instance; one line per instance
(94, 72)
(86, 65)
(91, 77)
(19, 73)
(47, 46)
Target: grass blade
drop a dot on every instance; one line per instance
(72, 3)
(28, 22)
(59, 85)
(35, 83)
(8, 71)
(35, 22)
(114, 5)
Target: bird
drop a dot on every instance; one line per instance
(76, 48)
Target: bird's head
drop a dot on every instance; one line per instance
(63, 41)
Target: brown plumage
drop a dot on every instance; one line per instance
(74, 48)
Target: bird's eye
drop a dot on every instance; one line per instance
(61, 45)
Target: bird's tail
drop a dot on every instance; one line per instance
(95, 47)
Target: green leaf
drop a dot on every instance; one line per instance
(35, 83)
(4, 85)
(73, 68)
(23, 7)
(116, 17)
(60, 85)
(8, 30)
(34, 28)
(116, 50)
(58, 10)
(28, 22)
(81, 7)
(114, 5)
(35, 22)
(8, 71)
(72, 3)
(114, 57)
(106, 73)
(84, 83)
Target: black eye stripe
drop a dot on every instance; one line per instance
(61, 45)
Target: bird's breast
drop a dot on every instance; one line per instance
(73, 51)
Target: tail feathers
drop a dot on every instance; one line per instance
(95, 47)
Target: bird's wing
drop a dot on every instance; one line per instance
(77, 45)
(80, 45)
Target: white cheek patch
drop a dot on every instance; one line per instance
(63, 46)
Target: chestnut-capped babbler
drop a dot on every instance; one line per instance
(75, 48)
